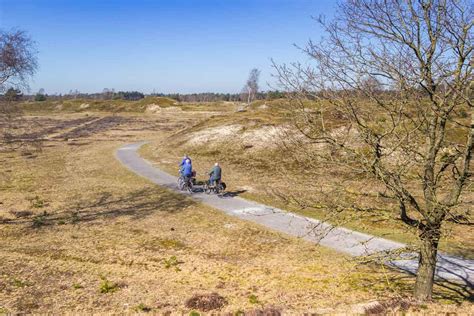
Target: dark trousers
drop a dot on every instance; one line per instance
(217, 181)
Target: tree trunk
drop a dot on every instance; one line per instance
(427, 264)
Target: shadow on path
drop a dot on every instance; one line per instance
(231, 194)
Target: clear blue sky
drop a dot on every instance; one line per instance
(170, 46)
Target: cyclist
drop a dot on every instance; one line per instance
(181, 164)
(186, 157)
(187, 170)
(215, 174)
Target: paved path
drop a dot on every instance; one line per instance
(337, 238)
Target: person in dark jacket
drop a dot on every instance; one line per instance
(215, 174)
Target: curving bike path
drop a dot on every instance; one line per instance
(338, 238)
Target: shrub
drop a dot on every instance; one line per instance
(172, 262)
(37, 202)
(13, 95)
(107, 286)
(463, 113)
(253, 299)
(40, 97)
(19, 283)
(40, 220)
(77, 286)
(142, 308)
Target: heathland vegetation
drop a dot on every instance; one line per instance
(376, 135)
(93, 237)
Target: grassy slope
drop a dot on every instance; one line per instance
(250, 170)
(92, 225)
(83, 105)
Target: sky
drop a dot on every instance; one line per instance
(174, 46)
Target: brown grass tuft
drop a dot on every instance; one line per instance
(268, 311)
(206, 302)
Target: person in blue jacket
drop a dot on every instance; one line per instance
(186, 157)
(183, 162)
(187, 169)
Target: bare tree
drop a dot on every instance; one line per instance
(392, 85)
(251, 86)
(17, 58)
(17, 63)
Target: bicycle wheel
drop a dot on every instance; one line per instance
(181, 183)
(220, 187)
(189, 186)
(207, 188)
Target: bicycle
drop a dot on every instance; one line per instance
(184, 185)
(217, 187)
(181, 183)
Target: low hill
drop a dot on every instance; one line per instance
(83, 105)
(258, 148)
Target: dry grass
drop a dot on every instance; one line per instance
(248, 146)
(85, 105)
(149, 104)
(81, 234)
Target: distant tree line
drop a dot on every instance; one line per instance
(129, 95)
(111, 94)
(106, 94)
(214, 97)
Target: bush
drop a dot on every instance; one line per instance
(253, 299)
(40, 220)
(40, 97)
(37, 202)
(107, 286)
(142, 308)
(172, 262)
(13, 95)
(77, 286)
(463, 113)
